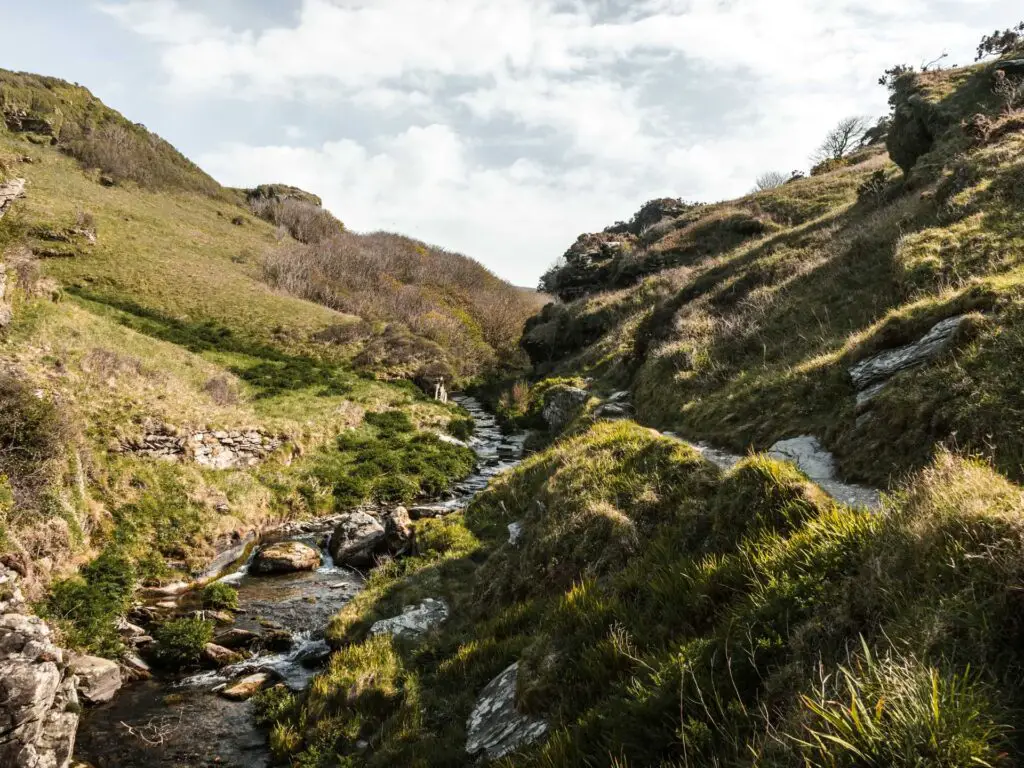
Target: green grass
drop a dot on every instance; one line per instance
(665, 613)
(749, 342)
(180, 642)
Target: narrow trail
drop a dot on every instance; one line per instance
(178, 720)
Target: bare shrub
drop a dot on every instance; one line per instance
(107, 364)
(443, 297)
(770, 180)
(306, 222)
(841, 140)
(221, 390)
(25, 266)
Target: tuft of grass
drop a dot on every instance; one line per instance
(180, 642)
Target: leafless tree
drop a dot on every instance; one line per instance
(842, 139)
(770, 180)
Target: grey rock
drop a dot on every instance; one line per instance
(247, 687)
(515, 533)
(10, 191)
(38, 698)
(562, 405)
(99, 680)
(285, 557)
(218, 656)
(880, 367)
(495, 727)
(414, 621)
(356, 539)
(399, 531)
(612, 411)
(237, 639)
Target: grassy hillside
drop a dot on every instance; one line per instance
(141, 305)
(667, 613)
(737, 322)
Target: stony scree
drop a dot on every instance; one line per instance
(10, 191)
(414, 621)
(869, 376)
(214, 449)
(38, 697)
(495, 727)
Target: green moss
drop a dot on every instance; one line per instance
(219, 596)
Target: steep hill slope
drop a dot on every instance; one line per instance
(143, 316)
(739, 322)
(622, 600)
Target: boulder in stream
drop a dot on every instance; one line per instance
(356, 539)
(247, 687)
(99, 680)
(285, 557)
(237, 639)
(219, 656)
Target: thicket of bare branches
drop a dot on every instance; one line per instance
(306, 222)
(443, 297)
(771, 180)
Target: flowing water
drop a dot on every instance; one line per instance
(182, 720)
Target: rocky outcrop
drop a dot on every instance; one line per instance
(650, 214)
(515, 533)
(10, 191)
(285, 557)
(562, 404)
(357, 538)
(99, 680)
(38, 699)
(871, 375)
(216, 449)
(414, 621)
(495, 727)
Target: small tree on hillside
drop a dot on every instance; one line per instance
(770, 180)
(842, 139)
(999, 43)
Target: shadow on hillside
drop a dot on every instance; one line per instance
(269, 370)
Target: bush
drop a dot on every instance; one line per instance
(390, 423)
(180, 642)
(220, 596)
(32, 433)
(88, 606)
(393, 489)
(461, 427)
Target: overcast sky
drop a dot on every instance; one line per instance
(498, 128)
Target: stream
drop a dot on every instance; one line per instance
(173, 721)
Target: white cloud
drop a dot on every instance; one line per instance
(681, 97)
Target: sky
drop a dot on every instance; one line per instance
(501, 129)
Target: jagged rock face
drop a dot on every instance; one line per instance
(213, 449)
(286, 557)
(589, 264)
(21, 121)
(356, 539)
(652, 212)
(562, 405)
(38, 700)
(495, 727)
(870, 376)
(9, 192)
(415, 620)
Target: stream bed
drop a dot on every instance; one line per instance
(174, 721)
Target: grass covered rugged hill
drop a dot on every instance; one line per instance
(738, 322)
(665, 612)
(144, 312)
